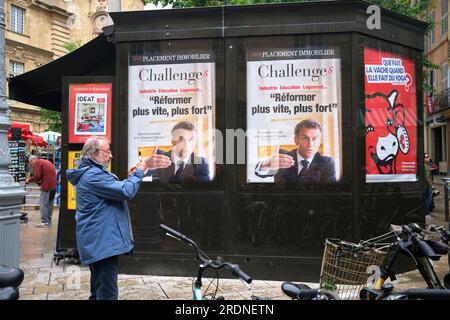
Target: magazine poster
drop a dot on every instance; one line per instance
(171, 113)
(294, 111)
(89, 111)
(390, 114)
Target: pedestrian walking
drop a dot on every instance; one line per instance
(44, 174)
(103, 228)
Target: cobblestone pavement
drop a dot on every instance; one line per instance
(44, 280)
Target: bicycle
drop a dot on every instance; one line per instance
(205, 263)
(409, 240)
(444, 235)
(302, 292)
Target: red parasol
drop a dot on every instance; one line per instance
(27, 134)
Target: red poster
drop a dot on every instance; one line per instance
(390, 117)
(89, 111)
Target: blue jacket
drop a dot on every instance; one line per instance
(102, 218)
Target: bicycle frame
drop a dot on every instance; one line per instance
(197, 293)
(421, 261)
(422, 264)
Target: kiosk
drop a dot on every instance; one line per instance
(244, 77)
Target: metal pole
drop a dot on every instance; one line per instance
(446, 183)
(11, 192)
(446, 200)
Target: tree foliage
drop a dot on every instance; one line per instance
(416, 9)
(73, 45)
(53, 119)
(411, 8)
(210, 3)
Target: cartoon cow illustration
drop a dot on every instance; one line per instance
(385, 132)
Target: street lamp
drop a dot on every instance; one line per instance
(11, 192)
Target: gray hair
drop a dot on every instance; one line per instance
(33, 157)
(92, 146)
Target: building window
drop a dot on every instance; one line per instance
(431, 35)
(432, 80)
(444, 75)
(444, 17)
(17, 19)
(448, 78)
(15, 68)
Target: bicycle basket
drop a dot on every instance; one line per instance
(348, 267)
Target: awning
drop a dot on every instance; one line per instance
(42, 86)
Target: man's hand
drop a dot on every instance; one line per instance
(141, 165)
(157, 161)
(131, 171)
(277, 161)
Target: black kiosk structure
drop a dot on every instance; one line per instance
(244, 77)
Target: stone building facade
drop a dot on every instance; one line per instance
(37, 30)
(437, 114)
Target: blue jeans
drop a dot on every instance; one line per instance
(427, 200)
(104, 275)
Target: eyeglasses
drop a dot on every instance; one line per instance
(108, 151)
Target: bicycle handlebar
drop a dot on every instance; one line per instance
(175, 234)
(234, 268)
(413, 233)
(425, 247)
(441, 232)
(237, 272)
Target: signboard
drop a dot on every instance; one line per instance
(172, 113)
(73, 163)
(89, 111)
(293, 115)
(390, 117)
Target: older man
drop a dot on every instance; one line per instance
(44, 173)
(102, 220)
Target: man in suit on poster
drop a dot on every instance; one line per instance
(182, 165)
(304, 164)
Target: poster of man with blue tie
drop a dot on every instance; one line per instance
(294, 116)
(171, 116)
